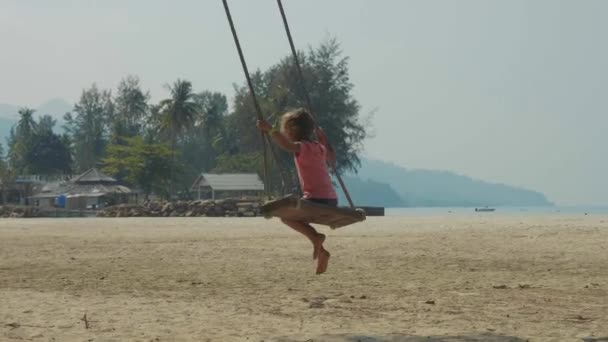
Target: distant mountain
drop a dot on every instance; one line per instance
(55, 107)
(5, 130)
(442, 188)
(8, 117)
(8, 111)
(370, 193)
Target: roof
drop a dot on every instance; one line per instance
(44, 195)
(94, 176)
(86, 190)
(90, 184)
(52, 187)
(229, 181)
(93, 190)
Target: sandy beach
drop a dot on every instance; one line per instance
(466, 278)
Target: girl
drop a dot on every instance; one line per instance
(311, 158)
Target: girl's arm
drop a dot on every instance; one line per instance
(331, 154)
(278, 137)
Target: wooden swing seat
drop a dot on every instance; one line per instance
(297, 209)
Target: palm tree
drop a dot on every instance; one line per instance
(176, 115)
(213, 106)
(26, 126)
(209, 123)
(20, 138)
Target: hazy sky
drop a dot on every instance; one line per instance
(512, 91)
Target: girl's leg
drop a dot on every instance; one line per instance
(307, 230)
(317, 240)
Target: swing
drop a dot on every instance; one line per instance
(293, 207)
(299, 209)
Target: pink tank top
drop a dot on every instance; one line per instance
(312, 171)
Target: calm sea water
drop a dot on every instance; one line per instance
(556, 210)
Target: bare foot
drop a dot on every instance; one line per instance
(318, 246)
(323, 261)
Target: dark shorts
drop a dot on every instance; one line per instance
(332, 202)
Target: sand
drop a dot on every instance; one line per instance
(475, 278)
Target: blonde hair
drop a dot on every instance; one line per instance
(299, 123)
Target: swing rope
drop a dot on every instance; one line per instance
(265, 139)
(307, 96)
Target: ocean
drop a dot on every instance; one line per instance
(548, 210)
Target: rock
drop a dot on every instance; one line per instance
(168, 207)
(249, 207)
(219, 211)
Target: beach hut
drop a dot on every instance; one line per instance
(213, 185)
(91, 190)
(94, 189)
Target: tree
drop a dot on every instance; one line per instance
(332, 101)
(326, 78)
(242, 119)
(7, 177)
(20, 140)
(244, 162)
(198, 144)
(143, 165)
(88, 129)
(213, 106)
(177, 114)
(46, 123)
(131, 109)
(48, 155)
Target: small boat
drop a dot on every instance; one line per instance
(486, 209)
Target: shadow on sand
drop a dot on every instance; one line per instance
(402, 338)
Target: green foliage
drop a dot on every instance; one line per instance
(88, 130)
(48, 155)
(212, 107)
(178, 112)
(147, 145)
(243, 162)
(132, 109)
(146, 166)
(46, 124)
(21, 139)
(327, 81)
(34, 148)
(198, 144)
(176, 116)
(7, 177)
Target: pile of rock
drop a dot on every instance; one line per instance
(208, 208)
(8, 211)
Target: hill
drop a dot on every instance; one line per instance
(430, 188)
(370, 193)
